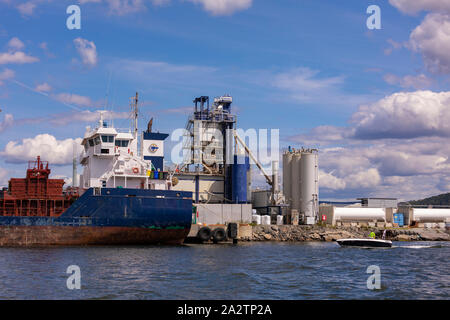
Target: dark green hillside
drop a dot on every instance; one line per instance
(441, 200)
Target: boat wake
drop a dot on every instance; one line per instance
(419, 247)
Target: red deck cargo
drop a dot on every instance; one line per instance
(36, 195)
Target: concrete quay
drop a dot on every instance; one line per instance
(298, 233)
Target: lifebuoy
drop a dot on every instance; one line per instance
(135, 170)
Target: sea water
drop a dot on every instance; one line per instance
(258, 270)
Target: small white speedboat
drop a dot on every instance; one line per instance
(366, 243)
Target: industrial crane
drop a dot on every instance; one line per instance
(277, 198)
(238, 139)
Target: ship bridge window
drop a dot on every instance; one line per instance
(91, 142)
(97, 140)
(108, 139)
(122, 143)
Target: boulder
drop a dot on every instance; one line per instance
(403, 237)
(433, 235)
(314, 236)
(267, 236)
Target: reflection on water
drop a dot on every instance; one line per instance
(247, 271)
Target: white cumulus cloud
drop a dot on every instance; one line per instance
(74, 99)
(432, 39)
(224, 7)
(87, 51)
(17, 57)
(364, 179)
(407, 169)
(16, 43)
(415, 6)
(394, 147)
(328, 180)
(404, 115)
(45, 145)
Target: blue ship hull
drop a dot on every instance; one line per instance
(107, 216)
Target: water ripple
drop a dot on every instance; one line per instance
(247, 271)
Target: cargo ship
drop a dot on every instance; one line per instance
(123, 197)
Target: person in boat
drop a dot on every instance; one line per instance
(384, 235)
(372, 235)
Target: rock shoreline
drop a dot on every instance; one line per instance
(322, 233)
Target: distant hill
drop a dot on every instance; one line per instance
(440, 200)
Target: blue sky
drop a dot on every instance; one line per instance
(302, 66)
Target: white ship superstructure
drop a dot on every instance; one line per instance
(110, 159)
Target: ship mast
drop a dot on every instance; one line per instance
(135, 112)
(134, 121)
(74, 167)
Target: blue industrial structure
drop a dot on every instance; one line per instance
(240, 168)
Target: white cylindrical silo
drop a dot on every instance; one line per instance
(431, 215)
(275, 177)
(316, 175)
(287, 172)
(296, 181)
(309, 184)
(359, 214)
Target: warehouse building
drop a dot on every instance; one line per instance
(379, 202)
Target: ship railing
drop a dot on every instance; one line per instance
(143, 166)
(123, 130)
(107, 175)
(213, 117)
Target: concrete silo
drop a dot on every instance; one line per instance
(309, 187)
(296, 181)
(287, 172)
(301, 182)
